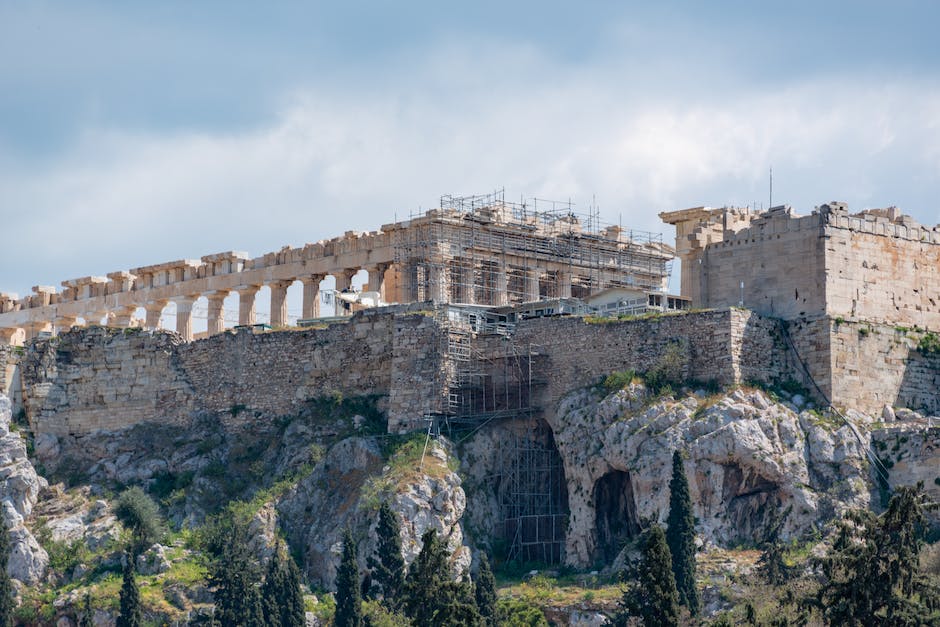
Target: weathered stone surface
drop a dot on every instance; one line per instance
(153, 561)
(334, 497)
(19, 491)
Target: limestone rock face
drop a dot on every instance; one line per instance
(19, 491)
(747, 456)
(345, 490)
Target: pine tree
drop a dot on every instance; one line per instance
(871, 572)
(130, 615)
(348, 599)
(388, 565)
(431, 596)
(234, 574)
(680, 535)
(485, 592)
(6, 585)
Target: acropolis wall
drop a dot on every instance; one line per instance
(858, 291)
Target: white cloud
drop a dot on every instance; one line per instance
(330, 161)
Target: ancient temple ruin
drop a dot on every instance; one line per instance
(480, 250)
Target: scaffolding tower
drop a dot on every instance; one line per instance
(489, 376)
(486, 250)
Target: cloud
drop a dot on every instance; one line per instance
(333, 159)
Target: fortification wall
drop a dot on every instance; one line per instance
(874, 365)
(728, 346)
(780, 260)
(883, 272)
(99, 378)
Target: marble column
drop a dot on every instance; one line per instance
(184, 316)
(532, 285)
(122, 316)
(311, 307)
(246, 304)
(564, 284)
(500, 286)
(377, 278)
(344, 278)
(279, 302)
(154, 310)
(63, 323)
(216, 322)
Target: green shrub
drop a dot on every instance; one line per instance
(517, 613)
(619, 380)
(929, 344)
(138, 512)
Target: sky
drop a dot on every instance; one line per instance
(138, 132)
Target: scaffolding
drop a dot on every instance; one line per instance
(486, 250)
(490, 376)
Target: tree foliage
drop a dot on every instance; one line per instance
(348, 599)
(680, 535)
(140, 514)
(871, 574)
(6, 585)
(485, 592)
(234, 574)
(388, 565)
(517, 613)
(650, 590)
(282, 601)
(770, 565)
(87, 619)
(431, 596)
(130, 615)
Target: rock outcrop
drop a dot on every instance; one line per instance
(345, 489)
(19, 491)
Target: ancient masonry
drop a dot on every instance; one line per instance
(858, 292)
(843, 302)
(473, 250)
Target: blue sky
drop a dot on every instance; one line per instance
(135, 133)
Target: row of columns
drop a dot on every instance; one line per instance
(123, 316)
(440, 279)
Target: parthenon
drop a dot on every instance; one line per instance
(475, 250)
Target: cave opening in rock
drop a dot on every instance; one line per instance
(615, 514)
(749, 500)
(533, 495)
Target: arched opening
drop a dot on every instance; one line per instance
(230, 310)
(615, 514)
(139, 318)
(749, 498)
(263, 305)
(168, 317)
(200, 317)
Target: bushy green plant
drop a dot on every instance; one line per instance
(518, 613)
(138, 513)
(929, 344)
(616, 381)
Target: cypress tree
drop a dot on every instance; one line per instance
(485, 592)
(388, 565)
(680, 535)
(130, 615)
(271, 589)
(292, 597)
(234, 573)
(6, 585)
(348, 599)
(652, 595)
